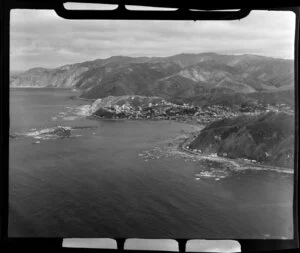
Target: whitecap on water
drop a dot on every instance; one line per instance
(267, 168)
(70, 118)
(73, 113)
(83, 110)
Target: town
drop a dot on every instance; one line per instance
(186, 113)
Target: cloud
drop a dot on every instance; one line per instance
(41, 38)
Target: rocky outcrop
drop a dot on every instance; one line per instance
(62, 132)
(46, 133)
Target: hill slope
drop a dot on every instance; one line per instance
(267, 138)
(178, 77)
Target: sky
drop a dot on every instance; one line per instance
(40, 38)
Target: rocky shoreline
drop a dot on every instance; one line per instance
(236, 164)
(156, 108)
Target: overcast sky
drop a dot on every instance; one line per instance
(40, 38)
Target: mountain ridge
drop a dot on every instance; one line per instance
(180, 76)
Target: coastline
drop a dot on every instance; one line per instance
(237, 163)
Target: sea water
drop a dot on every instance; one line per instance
(104, 181)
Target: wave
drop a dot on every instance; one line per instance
(73, 113)
(70, 118)
(274, 169)
(84, 110)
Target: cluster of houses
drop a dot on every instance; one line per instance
(256, 108)
(159, 110)
(280, 108)
(162, 109)
(214, 112)
(166, 110)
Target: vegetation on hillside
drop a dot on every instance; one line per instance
(267, 138)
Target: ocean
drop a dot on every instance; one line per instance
(126, 178)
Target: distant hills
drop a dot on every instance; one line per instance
(14, 74)
(197, 78)
(267, 138)
(247, 82)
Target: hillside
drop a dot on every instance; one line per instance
(183, 77)
(240, 99)
(63, 77)
(13, 75)
(267, 138)
(129, 79)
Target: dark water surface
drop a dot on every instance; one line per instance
(97, 185)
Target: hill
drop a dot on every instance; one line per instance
(267, 138)
(186, 77)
